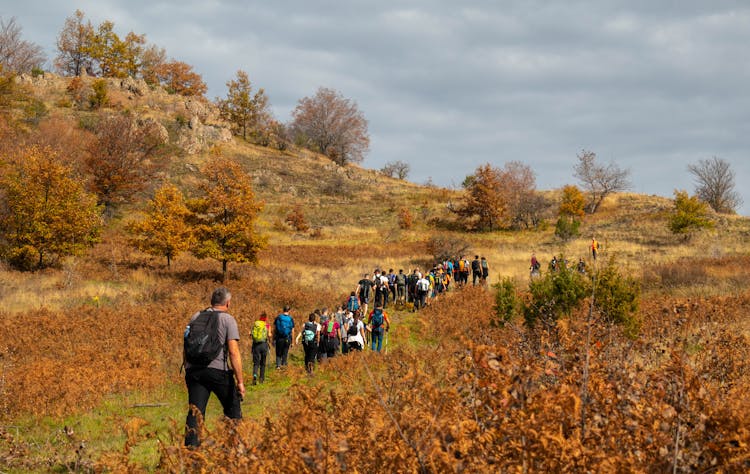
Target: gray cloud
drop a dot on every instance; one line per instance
(447, 86)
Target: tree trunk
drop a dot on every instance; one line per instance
(223, 271)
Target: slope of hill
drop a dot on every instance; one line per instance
(95, 342)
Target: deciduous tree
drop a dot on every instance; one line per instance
(248, 112)
(225, 216)
(600, 181)
(484, 206)
(518, 187)
(690, 214)
(178, 77)
(16, 54)
(123, 160)
(714, 181)
(73, 45)
(396, 169)
(572, 203)
(332, 125)
(45, 214)
(164, 230)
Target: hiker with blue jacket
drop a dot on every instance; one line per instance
(378, 324)
(283, 336)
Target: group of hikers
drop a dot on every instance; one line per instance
(211, 354)
(415, 289)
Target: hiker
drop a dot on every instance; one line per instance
(352, 304)
(260, 332)
(463, 271)
(378, 324)
(355, 333)
(392, 285)
(283, 335)
(310, 336)
(594, 247)
(485, 269)
(581, 267)
(400, 286)
(323, 318)
(341, 315)
(381, 289)
(411, 286)
(331, 336)
(208, 371)
(553, 264)
(363, 291)
(439, 281)
(535, 265)
(423, 288)
(476, 270)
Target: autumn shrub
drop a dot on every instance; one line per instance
(296, 218)
(405, 219)
(443, 247)
(78, 91)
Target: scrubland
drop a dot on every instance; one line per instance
(90, 379)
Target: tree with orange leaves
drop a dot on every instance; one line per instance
(484, 203)
(45, 214)
(224, 217)
(164, 230)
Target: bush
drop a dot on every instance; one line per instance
(506, 301)
(297, 220)
(567, 228)
(442, 247)
(557, 294)
(617, 298)
(405, 219)
(100, 97)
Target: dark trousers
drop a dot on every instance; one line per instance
(311, 352)
(200, 383)
(260, 353)
(282, 351)
(400, 292)
(475, 276)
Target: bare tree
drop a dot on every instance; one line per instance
(332, 125)
(600, 181)
(396, 169)
(16, 55)
(714, 184)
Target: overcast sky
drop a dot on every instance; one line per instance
(449, 85)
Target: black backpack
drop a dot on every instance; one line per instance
(201, 342)
(352, 331)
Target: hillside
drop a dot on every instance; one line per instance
(89, 366)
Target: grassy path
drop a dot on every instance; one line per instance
(140, 420)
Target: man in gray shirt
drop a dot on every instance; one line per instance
(222, 378)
